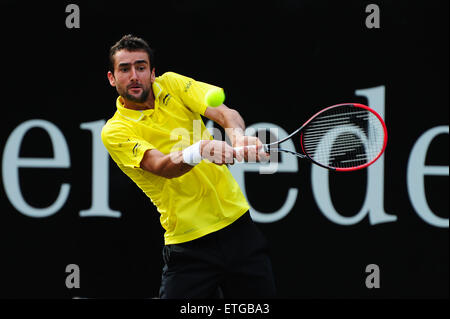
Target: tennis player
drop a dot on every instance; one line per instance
(212, 247)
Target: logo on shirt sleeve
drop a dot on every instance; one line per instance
(188, 85)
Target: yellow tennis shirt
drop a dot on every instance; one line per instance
(202, 201)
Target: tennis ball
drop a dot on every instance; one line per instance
(215, 97)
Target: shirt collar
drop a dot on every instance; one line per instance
(137, 115)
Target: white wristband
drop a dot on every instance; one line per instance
(192, 155)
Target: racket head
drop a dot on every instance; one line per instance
(344, 137)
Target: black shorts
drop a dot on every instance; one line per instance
(230, 263)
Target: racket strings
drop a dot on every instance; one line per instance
(344, 137)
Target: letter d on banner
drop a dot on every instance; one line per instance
(373, 203)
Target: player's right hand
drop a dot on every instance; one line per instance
(217, 152)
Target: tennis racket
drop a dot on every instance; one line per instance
(342, 137)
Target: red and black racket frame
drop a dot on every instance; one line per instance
(338, 169)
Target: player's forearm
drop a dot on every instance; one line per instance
(178, 163)
(168, 166)
(173, 166)
(234, 125)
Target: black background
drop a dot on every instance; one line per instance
(278, 62)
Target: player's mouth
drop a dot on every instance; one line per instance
(135, 88)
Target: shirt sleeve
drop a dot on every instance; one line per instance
(124, 146)
(191, 92)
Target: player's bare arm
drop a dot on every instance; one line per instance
(172, 165)
(234, 126)
(165, 165)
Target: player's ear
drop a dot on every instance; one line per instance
(152, 75)
(111, 79)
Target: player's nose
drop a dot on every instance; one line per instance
(133, 75)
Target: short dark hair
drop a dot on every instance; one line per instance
(131, 43)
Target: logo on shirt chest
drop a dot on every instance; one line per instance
(135, 149)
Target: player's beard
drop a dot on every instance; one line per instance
(137, 99)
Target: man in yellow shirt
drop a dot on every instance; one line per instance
(157, 138)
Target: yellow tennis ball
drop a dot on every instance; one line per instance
(215, 97)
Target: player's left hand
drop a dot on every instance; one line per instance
(252, 150)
